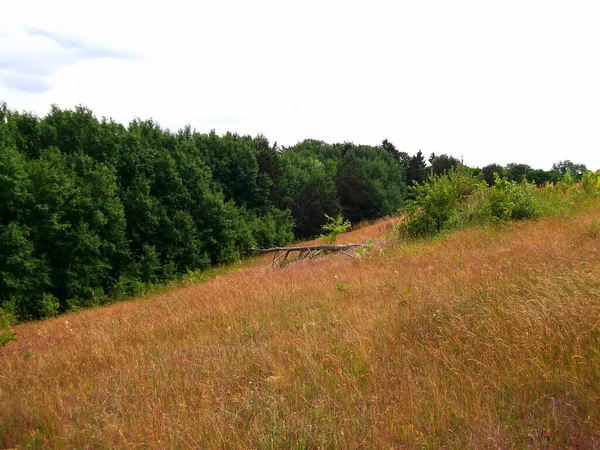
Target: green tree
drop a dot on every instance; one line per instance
(309, 192)
(441, 164)
(391, 149)
(353, 188)
(540, 177)
(517, 172)
(232, 160)
(71, 131)
(78, 223)
(370, 183)
(270, 169)
(489, 171)
(24, 277)
(416, 171)
(566, 166)
(15, 198)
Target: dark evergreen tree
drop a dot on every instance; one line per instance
(391, 149)
(416, 169)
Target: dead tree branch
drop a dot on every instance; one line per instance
(307, 251)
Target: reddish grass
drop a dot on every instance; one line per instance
(487, 338)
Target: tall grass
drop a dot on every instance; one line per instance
(488, 337)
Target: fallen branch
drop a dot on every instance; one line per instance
(310, 248)
(307, 251)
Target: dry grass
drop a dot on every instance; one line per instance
(488, 338)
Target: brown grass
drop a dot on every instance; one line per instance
(488, 338)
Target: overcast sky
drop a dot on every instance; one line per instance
(503, 81)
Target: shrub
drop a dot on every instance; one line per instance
(510, 200)
(590, 183)
(273, 229)
(333, 228)
(434, 205)
(526, 205)
(127, 287)
(475, 208)
(6, 334)
(451, 200)
(49, 305)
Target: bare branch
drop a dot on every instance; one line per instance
(310, 248)
(307, 251)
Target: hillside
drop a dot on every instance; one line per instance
(93, 211)
(485, 338)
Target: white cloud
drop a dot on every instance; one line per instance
(25, 82)
(31, 55)
(504, 82)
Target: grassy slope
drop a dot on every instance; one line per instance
(487, 338)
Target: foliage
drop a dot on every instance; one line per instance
(455, 198)
(6, 334)
(517, 172)
(370, 183)
(333, 228)
(391, 149)
(542, 177)
(490, 171)
(308, 191)
(590, 182)
(441, 164)
(568, 167)
(416, 170)
(510, 200)
(92, 210)
(434, 205)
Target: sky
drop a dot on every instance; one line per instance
(489, 82)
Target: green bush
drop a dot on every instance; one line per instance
(49, 306)
(590, 182)
(452, 200)
(434, 205)
(526, 204)
(127, 287)
(333, 228)
(510, 200)
(475, 208)
(6, 334)
(272, 229)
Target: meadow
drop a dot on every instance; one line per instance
(486, 337)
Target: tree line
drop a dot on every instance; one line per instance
(92, 210)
